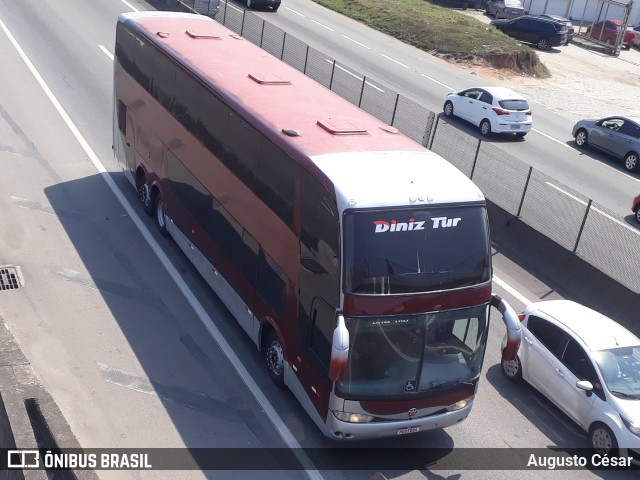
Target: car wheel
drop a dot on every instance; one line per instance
(485, 128)
(603, 440)
(161, 215)
(637, 212)
(582, 138)
(543, 44)
(274, 357)
(521, 134)
(512, 369)
(275, 9)
(631, 161)
(448, 109)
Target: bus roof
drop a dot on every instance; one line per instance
(332, 130)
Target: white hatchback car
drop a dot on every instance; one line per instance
(589, 366)
(492, 109)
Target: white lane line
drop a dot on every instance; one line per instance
(512, 291)
(353, 75)
(323, 26)
(106, 52)
(439, 83)
(292, 10)
(130, 6)
(357, 42)
(394, 60)
(564, 144)
(197, 307)
(604, 214)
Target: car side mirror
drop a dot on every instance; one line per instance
(585, 385)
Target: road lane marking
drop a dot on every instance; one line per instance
(512, 291)
(394, 60)
(595, 209)
(436, 81)
(323, 26)
(106, 52)
(353, 75)
(130, 6)
(197, 307)
(292, 10)
(357, 42)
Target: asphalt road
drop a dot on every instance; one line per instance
(117, 324)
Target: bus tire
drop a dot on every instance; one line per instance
(274, 357)
(144, 194)
(161, 215)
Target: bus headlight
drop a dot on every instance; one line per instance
(458, 405)
(352, 417)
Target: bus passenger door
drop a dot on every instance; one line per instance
(130, 141)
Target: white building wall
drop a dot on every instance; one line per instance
(585, 10)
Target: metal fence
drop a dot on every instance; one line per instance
(599, 236)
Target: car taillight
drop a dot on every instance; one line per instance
(528, 112)
(521, 317)
(500, 111)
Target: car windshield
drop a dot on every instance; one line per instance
(518, 105)
(513, 4)
(400, 356)
(424, 249)
(620, 369)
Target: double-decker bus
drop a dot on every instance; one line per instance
(356, 260)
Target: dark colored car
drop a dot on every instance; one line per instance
(607, 31)
(566, 21)
(544, 33)
(635, 207)
(617, 136)
(255, 4)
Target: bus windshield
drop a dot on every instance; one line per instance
(401, 356)
(416, 250)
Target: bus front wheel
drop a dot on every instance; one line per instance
(274, 356)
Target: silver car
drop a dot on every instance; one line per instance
(505, 8)
(617, 136)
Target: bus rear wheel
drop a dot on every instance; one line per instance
(274, 357)
(161, 215)
(144, 195)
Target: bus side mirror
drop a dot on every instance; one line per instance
(339, 351)
(514, 333)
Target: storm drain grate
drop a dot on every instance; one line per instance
(10, 278)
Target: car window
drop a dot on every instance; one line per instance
(486, 97)
(550, 335)
(612, 123)
(473, 94)
(631, 129)
(577, 360)
(518, 105)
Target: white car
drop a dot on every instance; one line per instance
(492, 109)
(589, 366)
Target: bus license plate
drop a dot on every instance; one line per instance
(405, 430)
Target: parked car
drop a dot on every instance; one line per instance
(636, 35)
(607, 31)
(544, 33)
(588, 366)
(505, 8)
(635, 207)
(492, 109)
(617, 136)
(566, 21)
(255, 4)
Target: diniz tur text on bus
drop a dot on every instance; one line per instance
(356, 260)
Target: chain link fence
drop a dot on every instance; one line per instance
(599, 236)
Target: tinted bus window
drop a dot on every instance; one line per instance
(249, 257)
(124, 47)
(270, 284)
(164, 79)
(248, 153)
(214, 122)
(224, 230)
(143, 57)
(416, 250)
(187, 96)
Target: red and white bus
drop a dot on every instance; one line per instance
(356, 260)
